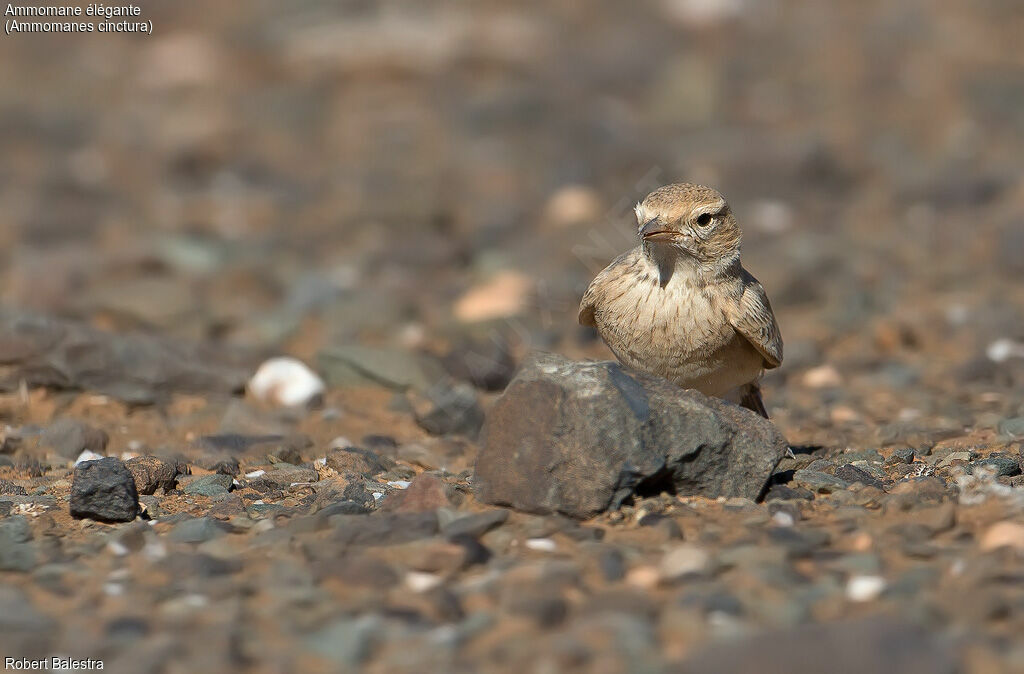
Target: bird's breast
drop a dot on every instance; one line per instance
(679, 331)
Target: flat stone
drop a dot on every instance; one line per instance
(135, 368)
(475, 525)
(397, 369)
(197, 530)
(284, 475)
(581, 438)
(384, 528)
(879, 645)
(213, 485)
(852, 474)
(819, 482)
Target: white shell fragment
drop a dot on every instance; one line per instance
(286, 382)
(864, 588)
(88, 455)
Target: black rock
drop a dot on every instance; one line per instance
(581, 438)
(104, 490)
(1001, 464)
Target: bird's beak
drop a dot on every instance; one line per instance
(652, 231)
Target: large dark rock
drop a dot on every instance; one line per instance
(104, 490)
(580, 438)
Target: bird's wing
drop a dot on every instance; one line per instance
(596, 290)
(753, 318)
(586, 315)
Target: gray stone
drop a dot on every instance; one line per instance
(197, 530)
(23, 629)
(16, 550)
(135, 368)
(475, 525)
(878, 645)
(254, 445)
(398, 369)
(70, 437)
(447, 407)
(104, 490)
(283, 475)
(852, 474)
(216, 484)
(347, 641)
(819, 482)
(1014, 428)
(383, 529)
(581, 438)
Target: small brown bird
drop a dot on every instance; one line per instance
(681, 306)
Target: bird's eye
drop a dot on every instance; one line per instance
(704, 219)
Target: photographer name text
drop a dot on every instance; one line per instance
(53, 663)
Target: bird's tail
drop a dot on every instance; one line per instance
(751, 399)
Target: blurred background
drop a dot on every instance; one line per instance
(437, 176)
(362, 183)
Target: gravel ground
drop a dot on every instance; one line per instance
(411, 199)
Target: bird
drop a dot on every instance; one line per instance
(681, 306)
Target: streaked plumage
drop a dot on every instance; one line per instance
(681, 306)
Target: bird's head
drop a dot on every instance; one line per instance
(693, 219)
